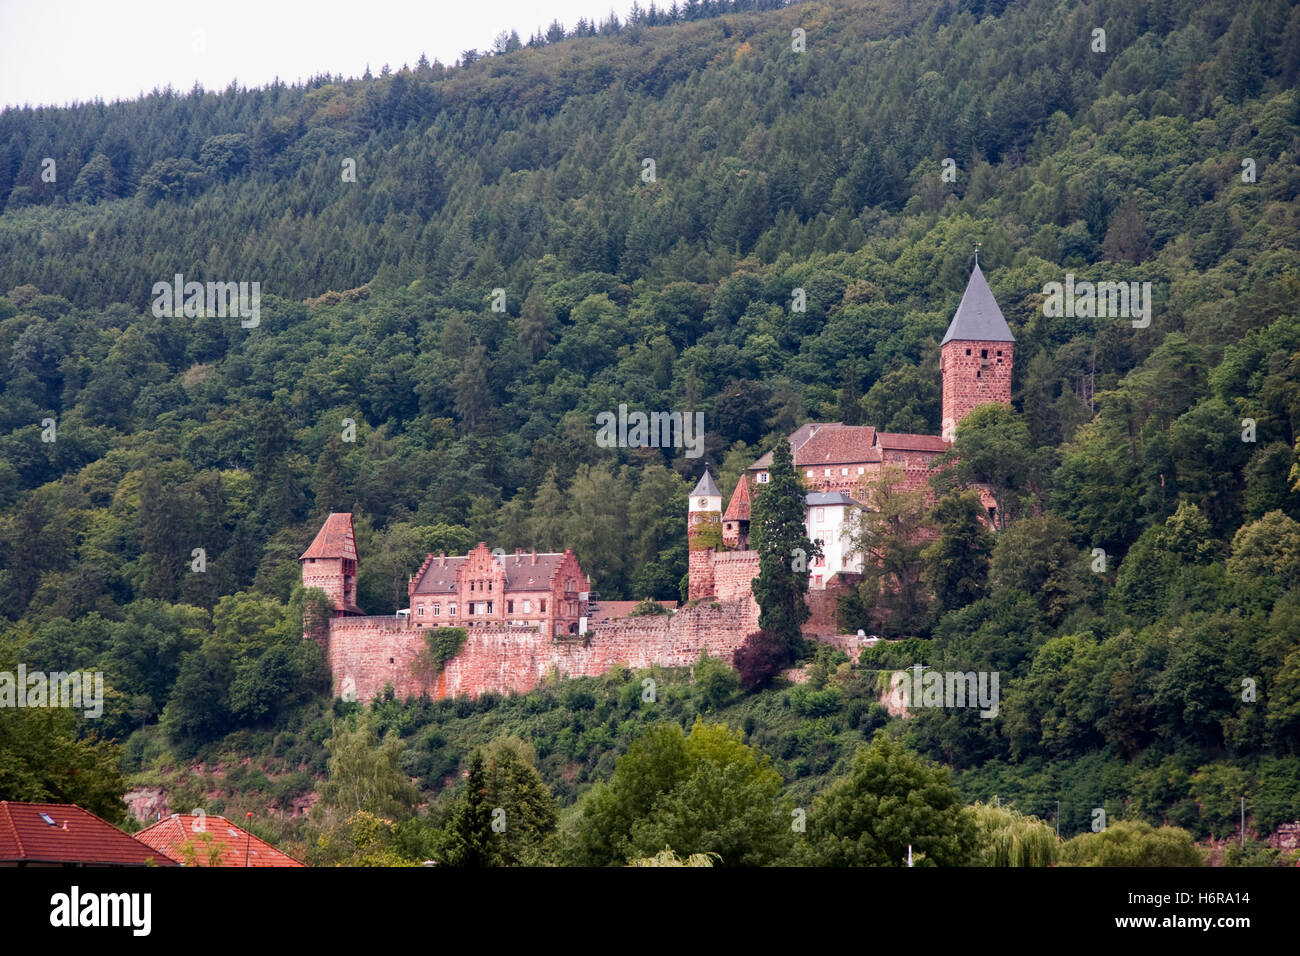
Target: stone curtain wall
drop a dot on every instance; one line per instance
(373, 651)
(733, 572)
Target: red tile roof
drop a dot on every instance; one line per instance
(334, 540)
(76, 836)
(838, 445)
(234, 843)
(895, 441)
(738, 509)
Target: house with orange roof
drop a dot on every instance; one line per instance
(211, 840)
(63, 834)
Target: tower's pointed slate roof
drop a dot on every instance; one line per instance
(978, 318)
(706, 487)
(738, 509)
(334, 540)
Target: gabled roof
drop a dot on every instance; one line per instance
(898, 441)
(438, 576)
(237, 846)
(523, 575)
(738, 509)
(838, 444)
(74, 836)
(706, 487)
(525, 571)
(978, 318)
(334, 540)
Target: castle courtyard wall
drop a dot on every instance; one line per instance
(365, 653)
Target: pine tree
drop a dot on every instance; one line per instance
(779, 537)
(469, 832)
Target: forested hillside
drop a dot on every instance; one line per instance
(648, 195)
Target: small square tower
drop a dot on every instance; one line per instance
(975, 355)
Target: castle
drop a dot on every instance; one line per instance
(836, 460)
(527, 614)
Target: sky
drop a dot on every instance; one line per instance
(53, 52)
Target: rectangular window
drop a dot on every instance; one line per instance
(844, 471)
(528, 607)
(543, 608)
(810, 472)
(510, 607)
(861, 471)
(762, 477)
(827, 473)
(420, 611)
(821, 515)
(471, 585)
(451, 610)
(437, 610)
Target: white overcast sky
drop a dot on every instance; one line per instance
(58, 51)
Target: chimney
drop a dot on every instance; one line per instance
(442, 559)
(534, 555)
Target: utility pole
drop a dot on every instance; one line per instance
(1243, 823)
(1058, 819)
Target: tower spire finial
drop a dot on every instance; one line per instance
(977, 254)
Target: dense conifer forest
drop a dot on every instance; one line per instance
(642, 196)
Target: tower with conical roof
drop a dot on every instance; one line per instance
(735, 523)
(975, 354)
(703, 536)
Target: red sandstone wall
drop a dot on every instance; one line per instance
(700, 567)
(372, 651)
(962, 391)
(733, 572)
(823, 603)
(326, 574)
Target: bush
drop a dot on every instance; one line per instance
(716, 681)
(807, 702)
(648, 607)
